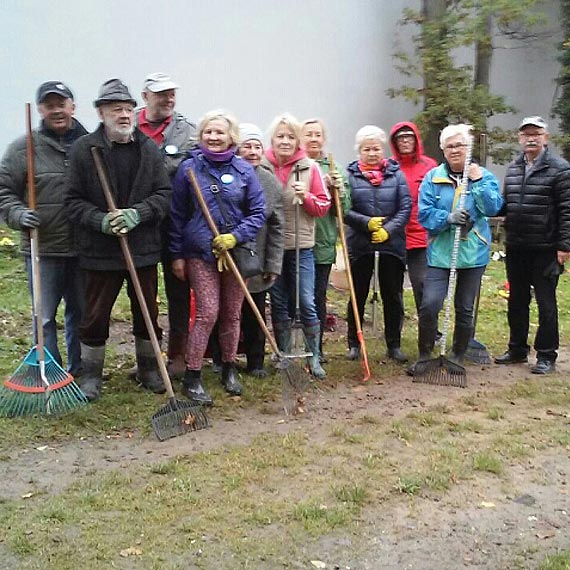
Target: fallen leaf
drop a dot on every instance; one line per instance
(131, 551)
(318, 564)
(27, 495)
(488, 505)
(42, 447)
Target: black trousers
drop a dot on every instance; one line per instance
(540, 269)
(102, 290)
(253, 337)
(177, 296)
(417, 266)
(391, 280)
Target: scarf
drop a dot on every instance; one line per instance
(224, 156)
(374, 173)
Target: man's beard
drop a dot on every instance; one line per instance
(119, 133)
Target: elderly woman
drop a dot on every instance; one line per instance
(302, 183)
(380, 210)
(235, 199)
(440, 215)
(313, 139)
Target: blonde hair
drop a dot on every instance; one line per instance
(454, 130)
(369, 132)
(225, 116)
(289, 121)
(316, 121)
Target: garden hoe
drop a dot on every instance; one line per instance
(441, 370)
(39, 385)
(358, 324)
(294, 379)
(177, 417)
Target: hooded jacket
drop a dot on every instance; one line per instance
(414, 167)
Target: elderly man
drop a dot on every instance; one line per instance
(537, 223)
(141, 189)
(59, 267)
(175, 136)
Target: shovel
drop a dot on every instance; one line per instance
(177, 417)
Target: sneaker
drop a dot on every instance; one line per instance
(543, 366)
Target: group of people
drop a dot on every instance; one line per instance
(169, 177)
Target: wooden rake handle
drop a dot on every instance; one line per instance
(134, 276)
(231, 263)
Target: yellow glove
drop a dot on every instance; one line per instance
(221, 260)
(374, 224)
(223, 242)
(379, 236)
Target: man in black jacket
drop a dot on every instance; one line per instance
(537, 223)
(141, 190)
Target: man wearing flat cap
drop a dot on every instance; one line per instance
(175, 136)
(141, 191)
(537, 224)
(61, 277)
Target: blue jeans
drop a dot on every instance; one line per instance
(435, 291)
(61, 278)
(283, 291)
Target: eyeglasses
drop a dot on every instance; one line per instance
(454, 146)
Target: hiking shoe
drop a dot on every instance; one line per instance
(511, 357)
(543, 366)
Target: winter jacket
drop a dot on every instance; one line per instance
(326, 230)
(414, 167)
(241, 194)
(270, 239)
(86, 205)
(179, 137)
(50, 163)
(316, 203)
(537, 209)
(439, 195)
(390, 200)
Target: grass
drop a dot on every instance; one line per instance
(558, 561)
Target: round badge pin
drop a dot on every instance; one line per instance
(170, 149)
(227, 178)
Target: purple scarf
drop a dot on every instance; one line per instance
(225, 156)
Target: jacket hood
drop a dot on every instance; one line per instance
(299, 154)
(419, 145)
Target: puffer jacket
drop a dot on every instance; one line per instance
(86, 205)
(390, 200)
(439, 195)
(326, 229)
(537, 209)
(414, 167)
(241, 195)
(55, 232)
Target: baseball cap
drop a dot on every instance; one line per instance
(535, 121)
(157, 82)
(56, 87)
(248, 132)
(404, 131)
(113, 90)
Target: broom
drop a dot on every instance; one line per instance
(441, 370)
(342, 235)
(294, 379)
(39, 385)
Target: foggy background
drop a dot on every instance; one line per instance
(257, 58)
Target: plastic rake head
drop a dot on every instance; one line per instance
(37, 388)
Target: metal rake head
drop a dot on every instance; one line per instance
(441, 372)
(177, 418)
(294, 383)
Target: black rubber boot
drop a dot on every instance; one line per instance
(93, 359)
(147, 367)
(426, 341)
(193, 388)
(230, 379)
(312, 338)
(461, 338)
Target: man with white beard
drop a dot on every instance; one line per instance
(141, 189)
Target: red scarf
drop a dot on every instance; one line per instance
(374, 173)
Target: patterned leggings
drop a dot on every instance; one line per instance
(217, 295)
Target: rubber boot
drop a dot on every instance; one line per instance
(193, 388)
(175, 353)
(312, 338)
(426, 342)
(461, 338)
(283, 336)
(147, 367)
(93, 359)
(230, 379)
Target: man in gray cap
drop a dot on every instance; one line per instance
(537, 223)
(59, 267)
(175, 136)
(141, 191)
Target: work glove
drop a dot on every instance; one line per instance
(106, 225)
(374, 224)
(28, 219)
(223, 242)
(123, 221)
(221, 260)
(458, 217)
(379, 236)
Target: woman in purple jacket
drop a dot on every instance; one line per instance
(237, 204)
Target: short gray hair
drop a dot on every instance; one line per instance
(225, 116)
(369, 132)
(454, 130)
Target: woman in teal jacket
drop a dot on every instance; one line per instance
(440, 214)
